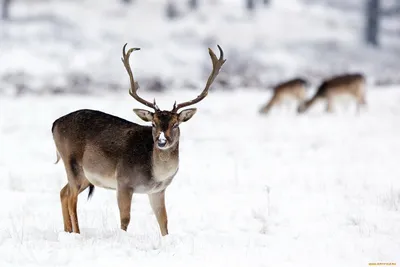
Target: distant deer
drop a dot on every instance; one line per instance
(294, 89)
(99, 149)
(351, 85)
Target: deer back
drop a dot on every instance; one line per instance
(347, 83)
(292, 88)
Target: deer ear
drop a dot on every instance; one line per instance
(144, 114)
(186, 114)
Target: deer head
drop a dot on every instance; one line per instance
(165, 123)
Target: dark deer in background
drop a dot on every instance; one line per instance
(351, 85)
(103, 150)
(294, 89)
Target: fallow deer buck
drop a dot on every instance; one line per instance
(294, 89)
(347, 85)
(99, 149)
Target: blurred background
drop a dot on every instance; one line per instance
(74, 46)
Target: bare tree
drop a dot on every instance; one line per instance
(372, 22)
(250, 5)
(5, 9)
(266, 2)
(171, 10)
(193, 4)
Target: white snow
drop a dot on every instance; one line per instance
(278, 190)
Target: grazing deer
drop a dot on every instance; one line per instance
(99, 149)
(292, 89)
(351, 85)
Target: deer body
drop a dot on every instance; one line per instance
(343, 86)
(100, 149)
(112, 155)
(294, 89)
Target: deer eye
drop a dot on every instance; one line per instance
(175, 125)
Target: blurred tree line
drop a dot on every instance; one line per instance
(172, 11)
(373, 14)
(171, 8)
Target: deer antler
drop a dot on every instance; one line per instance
(217, 64)
(134, 84)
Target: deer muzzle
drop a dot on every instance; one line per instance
(161, 141)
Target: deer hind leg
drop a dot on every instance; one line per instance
(69, 207)
(64, 207)
(124, 197)
(300, 98)
(73, 203)
(77, 183)
(157, 202)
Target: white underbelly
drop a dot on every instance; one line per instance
(344, 97)
(290, 98)
(152, 187)
(101, 181)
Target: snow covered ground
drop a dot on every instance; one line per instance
(278, 190)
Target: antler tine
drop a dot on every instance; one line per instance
(217, 64)
(134, 85)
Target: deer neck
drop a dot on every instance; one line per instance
(165, 162)
(311, 102)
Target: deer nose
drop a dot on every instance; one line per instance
(162, 141)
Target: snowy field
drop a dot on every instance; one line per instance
(278, 190)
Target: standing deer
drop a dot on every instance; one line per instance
(292, 89)
(350, 85)
(99, 149)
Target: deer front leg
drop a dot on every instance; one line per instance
(157, 202)
(274, 101)
(360, 103)
(124, 195)
(329, 105)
